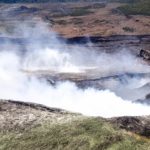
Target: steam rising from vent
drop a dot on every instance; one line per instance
(45, 54)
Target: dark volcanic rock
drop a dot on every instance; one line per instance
(145, 101)
(115, 42)
(96, 39)
(145, 54)
(139, 125)
(148, 96)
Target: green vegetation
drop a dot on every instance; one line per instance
(78, 11)
(128, 29)
(88, 134)
(81, 11)
(139, 8)
(95, 6)
(74, 12)
(75, 21)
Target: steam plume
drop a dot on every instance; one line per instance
(44, 52)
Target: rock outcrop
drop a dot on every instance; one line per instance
(138, 125)
(145, 54)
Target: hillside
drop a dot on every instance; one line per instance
(38, 127)
(82, 18)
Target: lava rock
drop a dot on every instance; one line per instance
(145, 54)
(138, 125)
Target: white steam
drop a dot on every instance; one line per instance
(55, 57)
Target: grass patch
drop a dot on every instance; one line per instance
(139, 8)
(88, 134)
(74, 12)
(95, 6)
(81, 11)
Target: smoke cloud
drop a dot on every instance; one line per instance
(43, 53)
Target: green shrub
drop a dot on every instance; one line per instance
(81, 11)
(139, 8)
